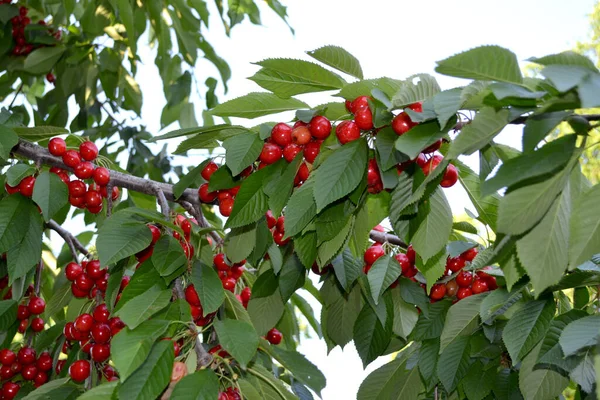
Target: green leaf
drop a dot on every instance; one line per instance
(142, 307)
(168, 256)
(50, 193)
(130, 347)
(365, 87)
(347, 268)
(539, 383)
(487, 207)
(239, 339)
(565, 58)
(478, 382)
(16, 173)
(371, 338)
(388, 155)
(209, 287)
(405, 315)
(382, 274)
(43, 59)
(462, 319)
(56, 389)
(187, 180)
(101, 392)
(239, 243)
(153, 376)
(302, 369)
(266, 305)
(328, 250)
(393, 381)
(410, 92)
(221, 179)
(527, 327)
(538, 126)
(565, 77)
(8, 314)
(251, 202)
(291, 277)
(340, 173)
(486, 63)
(126, 13)
(475, 135)
(241, 151)
(434, 231)
(430, 326)
(546, 160)
(446, 104)
(338, 58)
(523, 208)
(255, 105)
(543, 251)
(280, 189)
(301, 209)
(584, 238)
(8, 140)
(453, 364)
(22, 258)
(272, 388)
(421, 136)
(121, 236)
(200, 385)
(341, 316)
(580, 334)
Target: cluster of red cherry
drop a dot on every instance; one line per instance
(229, 272)
(87, 279)
(35, 306)
(224, 197)
(191, 296)
(24, 363)
(22, 47)
(406, 260)
(277, 228)
(231, 393)
(93, 332)
(186, 227)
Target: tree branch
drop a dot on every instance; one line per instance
(382, 237)
(195, 211)
(71, 240)
(38, 278)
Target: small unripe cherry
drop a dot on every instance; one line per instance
(451, 288)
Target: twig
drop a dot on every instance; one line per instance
(382, 237)
(196, 212)
(16, 95)
(111, 116)
(109, 200)
(162, 200)
(38, 278)
(71, 241)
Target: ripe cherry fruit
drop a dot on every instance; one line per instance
(205, 195)
(270, 153)
(71, 158)
(57, 146)
(208, 170)
(347, 131)
(450, 176)
(469, 255)
(290, 151)
(88, 151)
(301, 135)
(79, 371)
(84, 170)
(282, 134)
(364, 118)
(438, 291)
(311, 150)
(479, 286)
(101, 176)
(26, 186)
(373, 253)
(464, 279)
(319, 127)
(274, 336)
(36, 305)
(401, 123)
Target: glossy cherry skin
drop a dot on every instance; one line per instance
(438, 291)
(464, 292)
(101, 313)
(404, 262)
(347, 131)
(281, 134)
(84, 322)
(88, 151)
(319, 127)
(303, 172)
(464, 279)
(246, 294)
(10, 390)
(101, 333)
(301, 135)
(71, 158)
(271, 220)
(402, 123)
(470, 254)
(101, 176)
(290, 151)
(191, 296)
(26, 356)
(44, 362)
(479, 286)
(79, 371)
(93, 270)
(84, 170)
(205, 195)
(450, 176)
(373, 253)
(455, 264)
(359, 103)
(77, 188)
(7, 357)
(270, 153)
(26, 186)
(311, 150)
(451, 288)
(225, 207)
(57, 147)
(373, 176)
(208, 170)
(36, 305)
(73, 270)
(274, 336)
(364, 118)
(84, 282)
(100, 352)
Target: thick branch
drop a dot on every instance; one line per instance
(382, 237)
(71, 240)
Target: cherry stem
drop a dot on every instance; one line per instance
(71, 240)
(38, 278)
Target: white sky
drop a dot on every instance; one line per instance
(390, 38)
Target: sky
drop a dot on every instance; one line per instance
(390, 38)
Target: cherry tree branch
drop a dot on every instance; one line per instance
(71, 240)
(382, 237)
(38, 277)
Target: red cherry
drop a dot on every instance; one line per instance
(221, 262)
(450, 176)
(93, 199)
(26, 356)
(229, 284)
(479, 286)
(155, 233)
(108, 371)
(225, 207)
(101, 176)
(22, 312)
(464, 292)
(224, 195)
(404, 262)
(301, 135)
(246, 294)
(290, 151)
(434, 147)
(93, 270)
(84, 170)
(72, 271)
(7, 357)
(208, 170)
(26, 186)
(84, 282)
(101, 313)
(373, 176)
(124, 282)
(115, 325)
(11, 189)
(36, 305)
(319, 127)
(205, 195)
(79, 371)
(44, 362)
(10, 390)
(431, 164)
(373, 253)
(78, 292)
(84, 322)
(311, 150)
(282, 134)
(280, 226)
(114, 195)
(5, 373)
(29, 372)
(191, 296)
(271, 221)
(274, 336)
(22, 11)
(469, 255)
(23, 326)
(279, 240)
(347, 131)
(16, 368)
(40, 379)
(455, 264)
(364, 118)
(101, 333)
(438, 291)
(71, 158)
(401, 123)
(270, 153)
(77, 188)
(57, 146)
(359, 103)
(464, 279)
(303, 172)
(196, 312)
(100, 352)
(88, 151)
